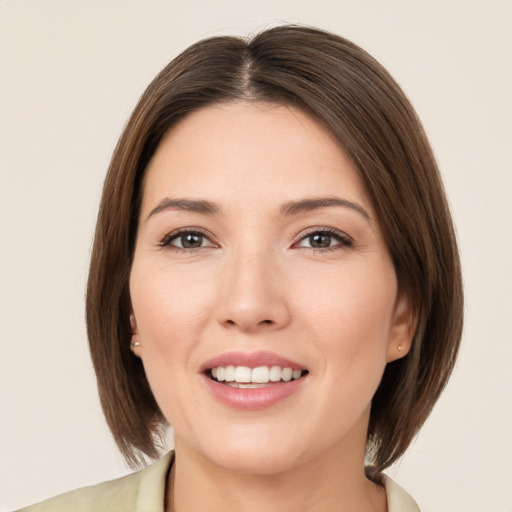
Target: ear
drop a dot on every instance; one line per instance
(402, 329)
(135, 344)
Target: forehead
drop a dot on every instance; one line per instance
(254, 151)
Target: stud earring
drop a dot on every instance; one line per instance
(134, 345)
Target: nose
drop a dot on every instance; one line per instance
(253, 294)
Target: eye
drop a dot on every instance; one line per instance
(324, 239)
(186, 240)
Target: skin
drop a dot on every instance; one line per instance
(257, 283)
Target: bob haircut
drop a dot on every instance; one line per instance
(344, 89)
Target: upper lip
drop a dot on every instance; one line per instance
(252, 360)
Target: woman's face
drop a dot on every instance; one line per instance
(259, 258)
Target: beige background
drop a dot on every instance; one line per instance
(71, 73)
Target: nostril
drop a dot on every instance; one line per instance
(249, 323)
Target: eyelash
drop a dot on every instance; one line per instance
(343, 240)
(166, 241)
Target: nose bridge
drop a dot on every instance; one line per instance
(253, 297)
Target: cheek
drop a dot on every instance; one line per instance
(170, 314)
(169, 308)
(352, 315)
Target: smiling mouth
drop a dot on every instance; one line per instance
(244, 377)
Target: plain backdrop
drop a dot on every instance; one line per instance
(71, 71)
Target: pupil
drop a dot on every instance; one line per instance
(320, 241)
(191, 241)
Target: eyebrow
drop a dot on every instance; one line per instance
(315, 203)
(189, 205)
(287, 209)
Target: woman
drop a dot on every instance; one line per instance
(275, 275)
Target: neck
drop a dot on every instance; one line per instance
(330, 482)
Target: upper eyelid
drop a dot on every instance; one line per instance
(166, 239)
(321, 229)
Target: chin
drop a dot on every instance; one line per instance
(252, 455)
(255, 461)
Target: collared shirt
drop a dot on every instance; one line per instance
(144, 491)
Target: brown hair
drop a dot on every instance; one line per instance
(354, 97)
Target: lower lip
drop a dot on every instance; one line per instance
(253, 398)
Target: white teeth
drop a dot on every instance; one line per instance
(250, 385)
(230, 373)
(287, 374)
(242, 374)
(259, 375)
(275, 373)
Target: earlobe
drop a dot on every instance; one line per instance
(135, 345)
(402, 330)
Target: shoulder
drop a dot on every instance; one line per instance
(144, 490)
(398, 499)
